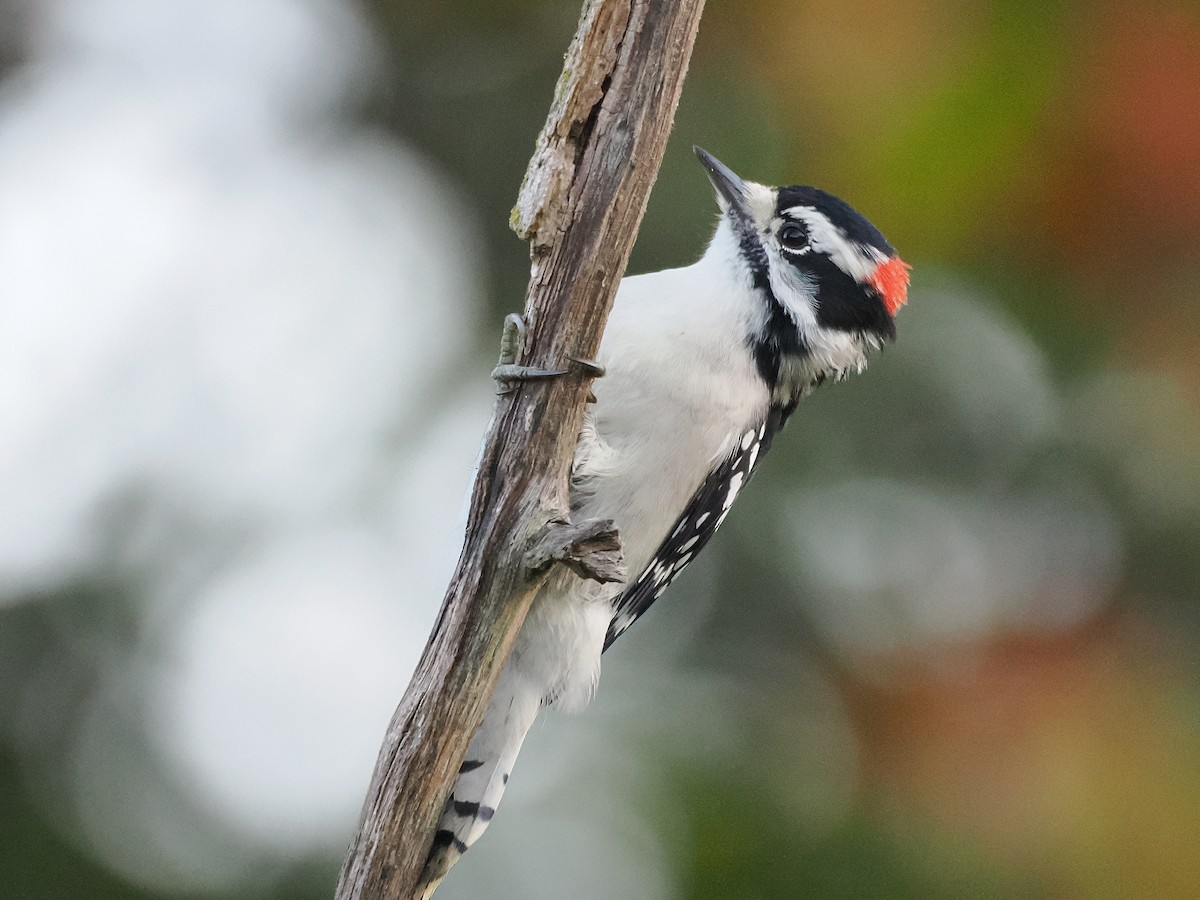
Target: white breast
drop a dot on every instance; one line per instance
(675, 355)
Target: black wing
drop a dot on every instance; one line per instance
(698, 523)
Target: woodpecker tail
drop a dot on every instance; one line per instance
(482, 777)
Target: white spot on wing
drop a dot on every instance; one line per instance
(735, 485)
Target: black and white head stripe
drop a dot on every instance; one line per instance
(699, 522)
(800, 203)
(836, 251)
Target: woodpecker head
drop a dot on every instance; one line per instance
(831, 284)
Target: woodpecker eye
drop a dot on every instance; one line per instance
(793, 237)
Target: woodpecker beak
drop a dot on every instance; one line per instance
(729, 186)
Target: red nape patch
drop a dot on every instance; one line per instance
(891, 280)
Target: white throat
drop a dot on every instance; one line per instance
(831, 353)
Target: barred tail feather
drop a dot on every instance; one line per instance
(482, 777)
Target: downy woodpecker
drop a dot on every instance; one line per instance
(704, 365)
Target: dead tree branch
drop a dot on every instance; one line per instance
(579, 207)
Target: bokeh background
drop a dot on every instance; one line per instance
(253, 263)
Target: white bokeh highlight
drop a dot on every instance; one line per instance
(240, 317)
(207, 295)
(273, 700)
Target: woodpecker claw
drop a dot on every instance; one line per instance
(590, 366)
(512, 340)
(509, 375)
(509, 371)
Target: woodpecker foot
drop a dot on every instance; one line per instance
(508, 371)
(590, 366)
(590, 549)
